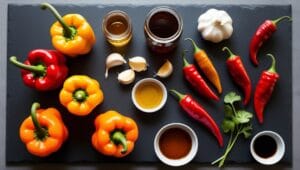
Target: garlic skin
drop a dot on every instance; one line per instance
(126, 76)
(165, 70)
(138, 63)
(113, 60)
(215, 25)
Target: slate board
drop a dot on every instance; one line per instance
(28, 28)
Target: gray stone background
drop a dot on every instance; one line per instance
(296, 83)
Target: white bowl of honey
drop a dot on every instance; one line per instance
(149, 95)
(176, 144)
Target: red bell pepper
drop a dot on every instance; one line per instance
(43, 70)
(196, 111)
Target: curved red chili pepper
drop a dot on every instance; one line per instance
(196, 111)
(239, 74)
(263, 33)
(264, 89)
(194, 78)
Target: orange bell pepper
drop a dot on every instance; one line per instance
(81, 94)
(43, 131)
(206, 66)
(72, 35)
(115, 134)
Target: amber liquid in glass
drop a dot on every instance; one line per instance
(117, 30)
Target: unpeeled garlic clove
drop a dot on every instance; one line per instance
(126, 76)
(138, 64)
(113, 60)
(165, 70)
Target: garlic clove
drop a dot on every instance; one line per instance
(165, 70)
(126, 76)
(138, 64)
(113, 60)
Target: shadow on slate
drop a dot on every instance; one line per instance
(28, 28)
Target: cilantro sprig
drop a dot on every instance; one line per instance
(236, 122)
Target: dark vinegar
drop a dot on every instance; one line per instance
(163, 24)
(265, 146)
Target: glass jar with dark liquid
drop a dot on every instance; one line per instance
(162, 28)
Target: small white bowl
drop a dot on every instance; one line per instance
(176, 162)
(155, 81)
(277, 156)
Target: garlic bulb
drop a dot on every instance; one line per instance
(126, 77)
(215, 25)
(138, 64)
(112, 60)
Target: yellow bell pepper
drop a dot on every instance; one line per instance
(81, 94)
(72, 35)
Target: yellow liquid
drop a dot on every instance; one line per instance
(149, 95)
(117, 26)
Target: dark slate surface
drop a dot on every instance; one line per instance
(28, 28)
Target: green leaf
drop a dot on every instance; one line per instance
(232, 97)
(228, 111)
(247, 130)
(242, 117)
(227, 125)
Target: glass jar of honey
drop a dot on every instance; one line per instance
(163, 27)
(117, 29)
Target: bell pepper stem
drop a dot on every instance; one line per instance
(36, 69)
(276, 21)
(272, 69)
(40, 132)
(118, 137)
(196, 48)
(178, 95)
(69, 32)
(231, 55)
(80, 95)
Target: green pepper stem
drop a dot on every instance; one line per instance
(68, 31)
(36, 69)
(231, 55)
(40, 132)
(185, 62)
(276, 21)
(272, 69)
(178, 95)
(80, 95)
(196, 48)
(118, 137)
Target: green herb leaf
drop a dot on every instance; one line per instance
(232, 97)
(227, 125)
(242, 117)
(247, 130)
(228, 111)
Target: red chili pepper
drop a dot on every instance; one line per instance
(43, 70)
(264, 89)
(196, 111)
(263, 33)
(239, 74)
(194, 78)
